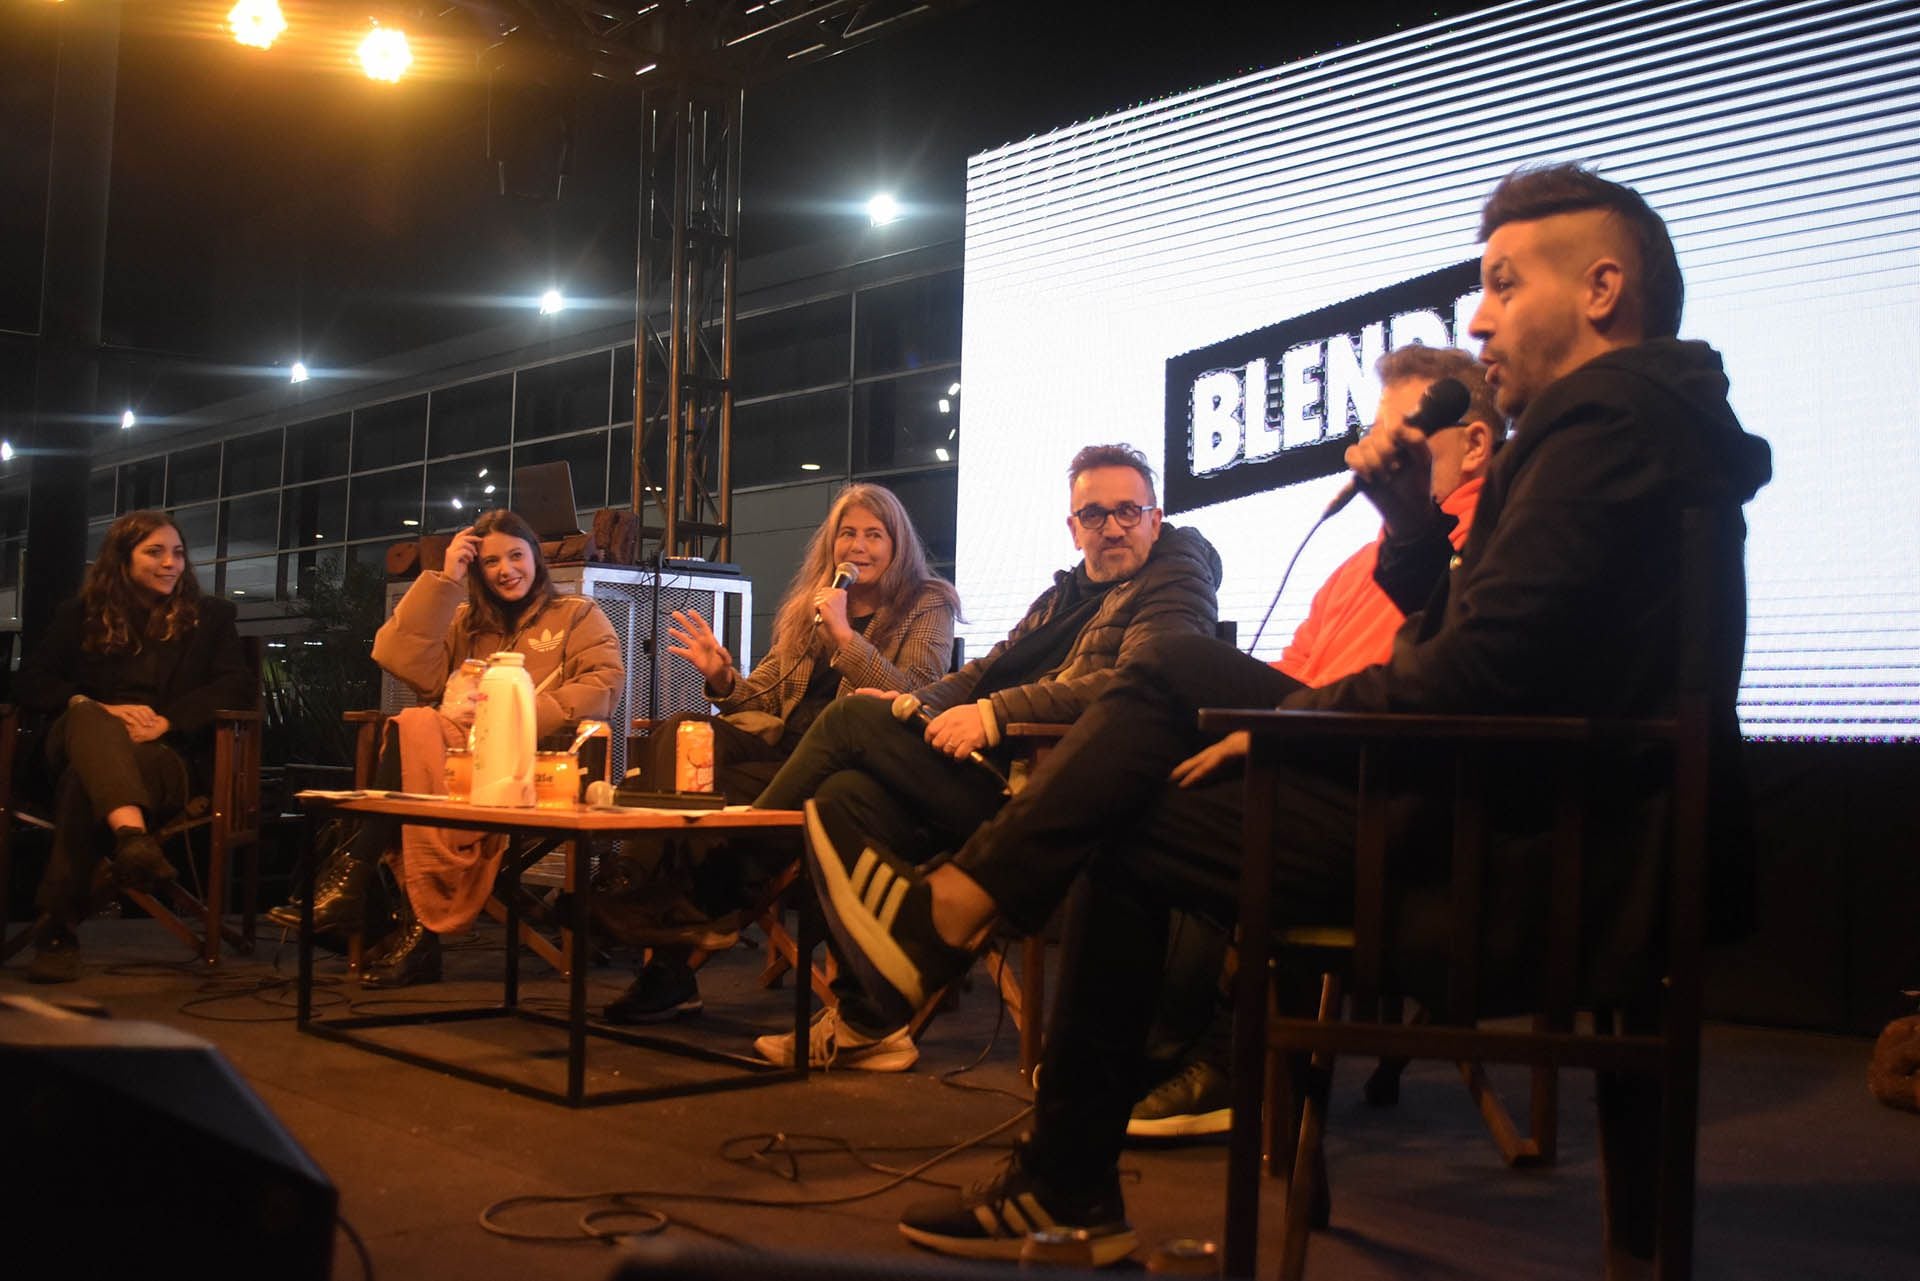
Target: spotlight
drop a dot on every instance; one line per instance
(882, 209)
(384, 54)
(298, 374)
(127, 420)
(552, 303)
(257, 23)
(6, 451)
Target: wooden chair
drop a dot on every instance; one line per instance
(1640, 1039)
(225, 820)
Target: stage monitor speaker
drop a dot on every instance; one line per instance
(135, 1145)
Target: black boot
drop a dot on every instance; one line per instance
(339, 896)
(409, 954)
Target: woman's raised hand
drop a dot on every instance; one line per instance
(461, 554)
(691, 638)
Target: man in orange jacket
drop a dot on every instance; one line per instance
(1350, 625)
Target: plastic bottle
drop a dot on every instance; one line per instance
(503, 734)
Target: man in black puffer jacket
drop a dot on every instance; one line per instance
(1139, 582)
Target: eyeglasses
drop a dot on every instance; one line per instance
(1093, 517)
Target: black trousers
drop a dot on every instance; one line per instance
(861, 766)
(98, 768)
(1101, 806)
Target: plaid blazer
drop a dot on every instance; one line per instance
(913, 653)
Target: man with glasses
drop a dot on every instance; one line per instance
(1139, 580)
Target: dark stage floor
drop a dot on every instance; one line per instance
(1802, 1174)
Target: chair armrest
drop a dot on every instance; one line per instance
(1279, 723)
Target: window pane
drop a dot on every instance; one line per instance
(372, 555)
(907, 325)
(395, 432)
(458, 490)
(775, 440)
(252, 579)
(141, 484)
(312, 514)
(475, 415)
(100, 494)
(304, 569)
(10, 553)
(794, 347)
(898, 422)
(252, 524)
(13, 514)
(385, 504)
(318, 449)
(253, 462)
(198, 526)
(565, 396)
(931, 498)
(586, 459)
(96, 534)
(193, 475)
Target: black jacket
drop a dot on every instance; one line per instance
(204, 671)
(1566, 600)
(1172, 594)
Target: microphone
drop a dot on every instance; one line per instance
(1441, 406)
(845, 575)
(908, 708)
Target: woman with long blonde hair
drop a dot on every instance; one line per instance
(891, 627)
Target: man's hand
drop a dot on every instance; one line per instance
(1395, 469)
(1210, 761)
(957, 731)
(462, 552)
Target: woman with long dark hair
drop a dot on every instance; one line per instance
(135, 666)
(891, 628)
(492, 593)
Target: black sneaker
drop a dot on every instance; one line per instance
(138, 861)
(662, 990)
(1194, 1101)
(881, 912)
(56, 958)
(993, 1218)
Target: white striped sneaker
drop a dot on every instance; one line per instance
(993, 1219)
(880, 911)
(832, 1044)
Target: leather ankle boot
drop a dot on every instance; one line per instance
(409, 954)
(340, 895)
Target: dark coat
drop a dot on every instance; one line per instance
(1173, 593)
(1566, 599)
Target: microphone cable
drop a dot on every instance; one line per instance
(1258, 631)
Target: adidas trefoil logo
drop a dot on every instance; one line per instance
(547, 640)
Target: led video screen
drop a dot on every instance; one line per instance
(1210, 277)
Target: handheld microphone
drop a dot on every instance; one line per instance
(908, 708)
(1441, 406)
(845, 575)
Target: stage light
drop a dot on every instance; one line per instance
(299, 373)
(127, 420)
(384, 54)
(6, 451)
(552, 303)
(882, 209)
(257, 23)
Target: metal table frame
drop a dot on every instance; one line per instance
(531, 834)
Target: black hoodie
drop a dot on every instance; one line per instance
(1566, 600)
